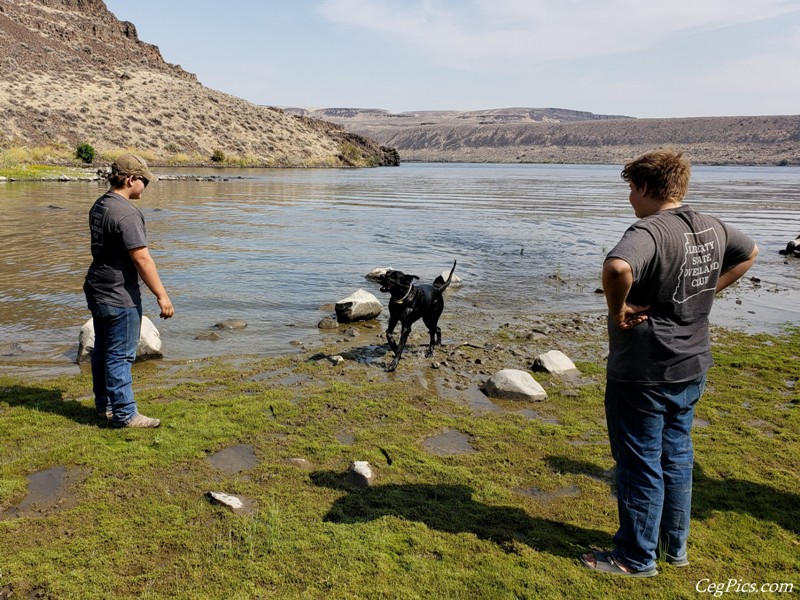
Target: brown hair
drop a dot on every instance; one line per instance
(664, 173)
(116, 179)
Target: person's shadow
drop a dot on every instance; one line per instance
(48, 400)
(710, 494)
(451, 508)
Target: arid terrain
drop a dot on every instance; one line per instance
(564, 136)
(72, 73)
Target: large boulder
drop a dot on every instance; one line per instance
(149, 342)
(555, 362)
(360, 306)
(513, 384)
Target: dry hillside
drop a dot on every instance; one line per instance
(557, 135)
(72, 73)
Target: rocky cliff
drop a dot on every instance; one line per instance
(73, 73)
(557, 135)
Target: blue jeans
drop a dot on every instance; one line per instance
(116, 335)
(649, 427)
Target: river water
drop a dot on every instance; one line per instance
(277, 247)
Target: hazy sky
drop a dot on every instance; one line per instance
(642, 58)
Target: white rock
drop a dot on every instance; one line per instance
(231, 502)
(513, 384)
(455, 282)
(555, 362)
(360, 306)
(149, 341)
(375, 274)
(240, 505)
(360, 473)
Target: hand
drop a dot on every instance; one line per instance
(630, 316)
(167, 310)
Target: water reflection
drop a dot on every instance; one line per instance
(273, 246)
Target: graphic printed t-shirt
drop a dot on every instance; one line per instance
(116, 227)
(677, 256)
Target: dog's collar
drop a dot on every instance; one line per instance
(408, 293)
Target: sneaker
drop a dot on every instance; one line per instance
(140, 421)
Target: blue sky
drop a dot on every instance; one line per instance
(642, 58)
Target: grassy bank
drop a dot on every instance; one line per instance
(54, 162)
(505, 517)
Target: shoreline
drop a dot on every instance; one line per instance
(509, 341)
(71, 173)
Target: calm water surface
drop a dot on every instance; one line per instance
(273, 247)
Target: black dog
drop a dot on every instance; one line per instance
(408, 304)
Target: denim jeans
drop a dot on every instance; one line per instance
(116, 335)
(649, 427)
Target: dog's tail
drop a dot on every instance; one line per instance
(444, 285)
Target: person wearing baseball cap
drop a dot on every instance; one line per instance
(120, 258)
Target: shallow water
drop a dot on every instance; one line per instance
(273, 247)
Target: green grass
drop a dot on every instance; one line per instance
(37, 172)
(430, 526)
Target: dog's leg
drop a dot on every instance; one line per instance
(389, 333)
(432, 343)
(432, 323)
(400, 347)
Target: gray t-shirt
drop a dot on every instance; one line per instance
(676, 256)
(117, 227)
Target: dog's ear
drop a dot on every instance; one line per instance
(409, 278)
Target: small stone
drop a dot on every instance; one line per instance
(231, 324)
(299, 462)
(328, 323)
(211, 336)
(360, 474)
(232, 502)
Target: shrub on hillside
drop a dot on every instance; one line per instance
(85, 152)
(218, 156)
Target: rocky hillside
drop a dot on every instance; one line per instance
(555, 135)
(73, 73)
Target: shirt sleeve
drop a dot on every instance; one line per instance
(133, 232)
(738, 249)
(637, 248)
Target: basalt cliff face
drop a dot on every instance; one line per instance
(72, 73)
(565, 136)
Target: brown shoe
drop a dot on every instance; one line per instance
(140, 421)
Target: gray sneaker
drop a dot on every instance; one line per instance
(140, 421)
